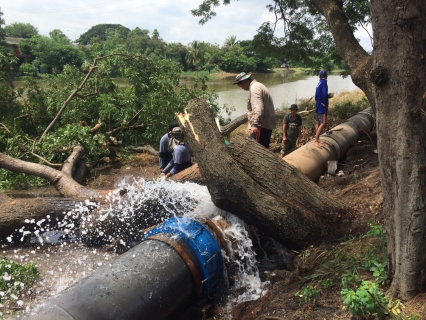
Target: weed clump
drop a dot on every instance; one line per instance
(14, 278)
(360, 263)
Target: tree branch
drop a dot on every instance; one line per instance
(348, 47)
(126, 127)
(74, 93)
(72, 160)
(63, 183)
(87, 95)
(145, 149)
(133, 118)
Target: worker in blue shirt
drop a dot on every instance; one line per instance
(181, 154)
(164, 152)
(321, 98)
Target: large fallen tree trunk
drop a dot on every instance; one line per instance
(256, 185)
(16, 214)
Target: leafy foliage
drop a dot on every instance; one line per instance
(364, 297)
(347, 109)
(21, 30)
(235, 60)
(326, 283)
(100, 33)
(376, 257)
(137, 112)
(367, 299)
(49, 55)
(360, 296)
(308, 293)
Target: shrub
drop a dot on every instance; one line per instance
(367, 299)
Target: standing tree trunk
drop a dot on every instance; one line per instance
(251, 182)
(399, 69)
(393, 79)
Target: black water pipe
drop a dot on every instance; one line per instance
(176, 265)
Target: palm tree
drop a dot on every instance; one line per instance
(231, 41)
(194, 57)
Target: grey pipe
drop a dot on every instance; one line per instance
(312, 160)
(158, 279)
(135, 286)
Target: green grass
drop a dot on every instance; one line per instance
(347, 109)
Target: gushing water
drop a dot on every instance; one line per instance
(99, 231)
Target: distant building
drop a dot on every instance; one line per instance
(12, 43)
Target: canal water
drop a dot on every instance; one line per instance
(285, 87)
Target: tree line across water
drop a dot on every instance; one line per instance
(51, 54)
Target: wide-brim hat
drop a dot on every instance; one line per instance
(242, 76)
(294, 106)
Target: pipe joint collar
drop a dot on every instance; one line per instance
(202, 243)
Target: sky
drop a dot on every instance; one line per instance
(172, 18)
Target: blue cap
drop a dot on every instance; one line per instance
(323, 72)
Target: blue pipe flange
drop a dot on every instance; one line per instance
(202, 243)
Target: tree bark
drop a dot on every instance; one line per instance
(348, 47)
(399, 68)
(392, 78)
(256, 185)
(191, 174)
(146, 149)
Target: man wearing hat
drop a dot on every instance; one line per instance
(260, 109)
(181, 154)
(292, 124)
(321, 107)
